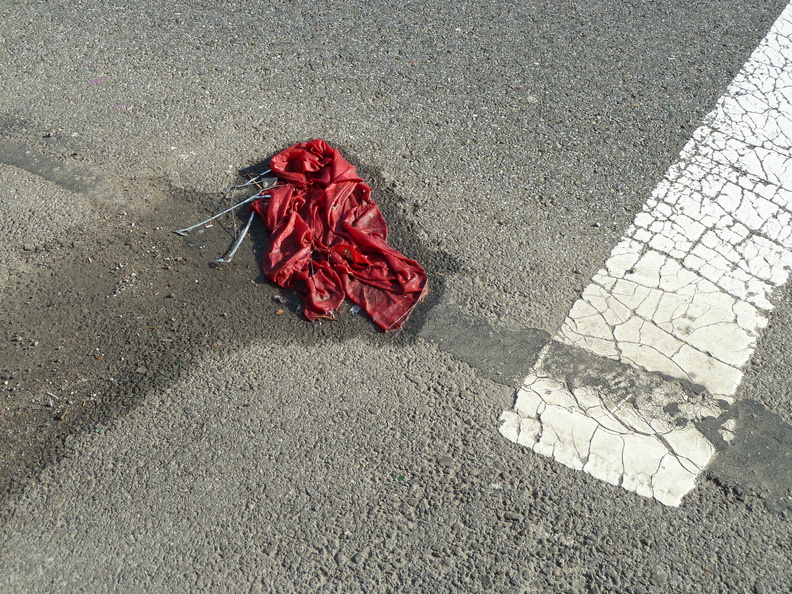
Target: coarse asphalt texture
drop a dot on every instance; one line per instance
(170, 425)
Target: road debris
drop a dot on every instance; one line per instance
(328, 238)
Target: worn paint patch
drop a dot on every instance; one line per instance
(621, 425)
(684, 294)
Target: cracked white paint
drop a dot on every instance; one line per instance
(595, 428)
(685, 292)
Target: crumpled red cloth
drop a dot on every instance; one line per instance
(328, 239)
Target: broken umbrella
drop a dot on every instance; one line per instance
(328, 238)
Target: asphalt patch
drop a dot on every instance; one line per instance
(111, 314)
(500, 354)
(759, 458)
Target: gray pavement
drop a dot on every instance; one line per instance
(170, 428)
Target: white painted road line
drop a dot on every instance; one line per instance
(685, 293)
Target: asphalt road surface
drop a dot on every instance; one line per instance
(169, 425)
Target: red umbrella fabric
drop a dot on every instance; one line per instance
(328, 239)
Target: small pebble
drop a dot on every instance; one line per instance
(513, 517)
(445, 461)
(658, 576)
